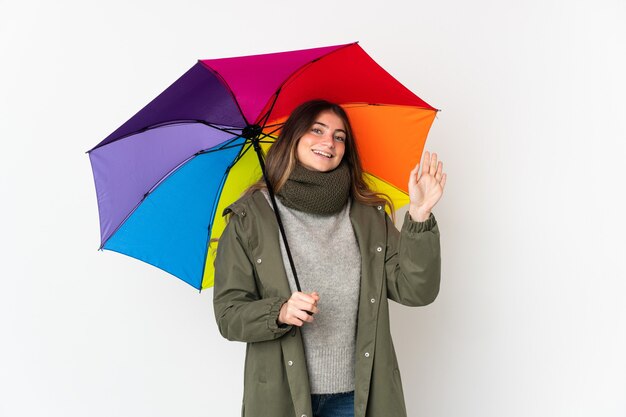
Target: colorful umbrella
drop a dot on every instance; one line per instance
(164, 177)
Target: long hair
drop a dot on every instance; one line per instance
(281, 157)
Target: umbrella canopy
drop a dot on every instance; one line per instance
(164, 177)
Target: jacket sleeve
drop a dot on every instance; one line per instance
(413, 261)
(241, 314)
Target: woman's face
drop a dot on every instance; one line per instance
(323, 146)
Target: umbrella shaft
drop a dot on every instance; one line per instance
(270, 190)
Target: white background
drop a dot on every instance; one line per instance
(530, 320)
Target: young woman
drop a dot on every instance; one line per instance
(325, 351)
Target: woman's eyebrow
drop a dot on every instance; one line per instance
(326, 126)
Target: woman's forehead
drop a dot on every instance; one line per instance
(330, 119)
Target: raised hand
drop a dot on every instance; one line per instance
(299, 309)
(425, 189)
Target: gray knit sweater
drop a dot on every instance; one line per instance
(327, 259)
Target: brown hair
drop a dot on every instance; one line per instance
(281, 157)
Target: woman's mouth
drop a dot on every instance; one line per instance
(322, 153)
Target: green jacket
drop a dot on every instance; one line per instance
(251, 285)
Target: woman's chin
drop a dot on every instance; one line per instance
(321, 166)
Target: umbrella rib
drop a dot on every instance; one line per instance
(229, 145)
(225, 84)
(163, 178)
(275, 130)
(215, 204)
(364, 104)
(276, 124)
(130, 213)
(232, 131)
(241, 154)
(270, 134)
(221, 148)
(299, 71)
(267, 114)
(267, 135)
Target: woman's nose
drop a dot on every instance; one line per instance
(328, 140)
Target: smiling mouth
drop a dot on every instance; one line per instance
(322, 153)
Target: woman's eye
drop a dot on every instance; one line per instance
(316, 130)
(340, 139)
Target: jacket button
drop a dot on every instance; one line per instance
(243, 214)
(303, 415)
(367, 354)
(258, 261)
(372, 301)
(290, 363)
(379, 249)
(379, 207)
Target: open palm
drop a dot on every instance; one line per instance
(426, 189)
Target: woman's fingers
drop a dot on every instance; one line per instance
(426, 163)
(426, 188)
(413, 175)
(305, 301)
(439, 173)
(307, 298)
(297, 317)
(433, 164)
(295, 321)
(305, 306)
(300, 308)
(303, 316)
